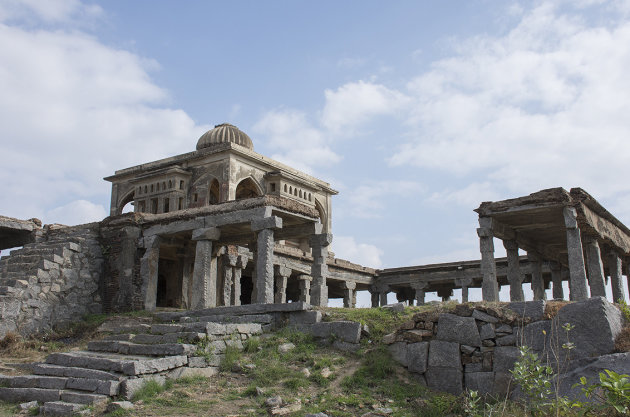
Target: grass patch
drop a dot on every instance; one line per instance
(230, 358)
(151, 389)
(380, 321)
(251, 345)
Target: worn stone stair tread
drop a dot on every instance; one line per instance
(42, 395)
(163, 349)
(126, 364)
(226, 318)
(74, 372)
(82, 397)
(167, 316)
(96, 386)
(61, 408)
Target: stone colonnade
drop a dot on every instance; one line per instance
(584, 260)
(269, 280)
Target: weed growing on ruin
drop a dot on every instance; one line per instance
(535, 380)
(625, 309)
(231, 357)
(378, 320)
(612, 390)
(151, 389)
(251, 345)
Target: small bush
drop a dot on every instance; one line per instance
(251, 345)
(230, 358)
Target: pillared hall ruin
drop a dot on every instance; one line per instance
(225, 226)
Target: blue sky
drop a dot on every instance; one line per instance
(415, 111)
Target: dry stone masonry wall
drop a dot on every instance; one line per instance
(51, 282)
(475, 346)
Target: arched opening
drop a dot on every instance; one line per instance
(322, 215)
(247, 189)
(126, 204)
(214, 193)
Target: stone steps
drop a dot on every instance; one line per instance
(60, 408)
(73, 372)
(154, 339)
(125, 364)
(226, 318)
(129, 348)
(45, 395)
(94, 386)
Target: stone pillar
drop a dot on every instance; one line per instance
(241, 264)
(556, 279)
(374, 296)
(305, 288)
(514, 275)
(614, 266)
(420, 288)
(383, 290)
(229, 262)
(319, 269)
(595, 267)
(538, 284)
(349, 295)
(204, 283)
(464, 283)
(149, 271)
(445, 293)
(489, 287)
(264, 258)
(577, 272)
(282, 275)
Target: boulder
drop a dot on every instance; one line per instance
(452, 328)
(616, 362)
(346, 331)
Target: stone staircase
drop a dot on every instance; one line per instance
(123, 361)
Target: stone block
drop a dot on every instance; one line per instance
(399, 353)
(452, 328)
(487, 331)
(81, 398)
(504, 358)
(597, 324)
(185, 372)
(532, 310)
(444, 354)
(473, 367)
(503, 383)
(15, 395)
(481, 316)
(305, 317)
(482, 382)
(417, 357)
(503, 328)
(507, 340)
(417, 335)
(445, 379)
(536, 335)
(346, 331)
(616, 362)
(468, 350)
(60, 408)
(345, 346)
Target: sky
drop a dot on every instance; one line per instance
(416, 111)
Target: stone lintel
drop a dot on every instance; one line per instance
(282, 270)
(273, 222)
(322, 239)
(209, 233)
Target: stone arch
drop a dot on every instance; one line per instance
(248, 188)
(214, 192)
(128, 198)
(323, 216)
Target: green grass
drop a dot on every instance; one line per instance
(230, 358)
(151, 389)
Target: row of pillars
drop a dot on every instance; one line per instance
(576, 274)
(265, 277)
(379, 292)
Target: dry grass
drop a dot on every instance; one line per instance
(552, 307)
(622, 343)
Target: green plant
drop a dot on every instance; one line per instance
(612, 390)
(534, 379)
(625, 309)
(230, 357)
(251, 345)
(150, 389)
(472, 404)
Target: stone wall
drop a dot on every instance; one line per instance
(475, 346)
(51, 282)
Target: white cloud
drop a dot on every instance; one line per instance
(73, 110)
(296, 141)
(368, 200)
(469, 196)
(76, 212)
(50, 11)
(545, 105)
(346, 247)
(354, 103)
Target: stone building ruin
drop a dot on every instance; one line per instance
(226, 226)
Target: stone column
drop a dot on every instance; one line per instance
(229, 262)
(464, 283)
(374, 296)
(538, 284)
(282, 275)
(383, 290)
(556, 279)
(489, 287)
(305, 288)
(420, 288)
(614, 265)
(445, 293)
(319, 269)
(204, 283)
(264, 258)
(149, 271)
(577, 272)
(241, 264)
(595, 267)
(514, 275)
(349, 295)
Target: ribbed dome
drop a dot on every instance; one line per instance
(224, 133)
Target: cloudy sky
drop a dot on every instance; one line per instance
(415, 111)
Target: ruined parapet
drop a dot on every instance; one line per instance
(52, 282)
(16, 232)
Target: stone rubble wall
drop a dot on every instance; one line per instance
(475, 346)
(52, 282)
